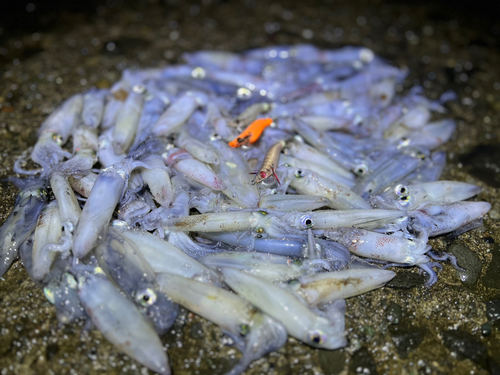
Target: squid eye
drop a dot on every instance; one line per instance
(57, 138)
(361, 169)
(243, 93)
(404, 199)
(139, 89)
(215, 137)
(146, 298)
(198, 73)
(244, 329)
(259, 230)
(317, 337)
(299, 173)
(401, 190)
(404, 142)
(306, 221)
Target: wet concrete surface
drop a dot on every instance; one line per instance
(449, 328)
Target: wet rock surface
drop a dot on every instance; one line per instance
(463, 345)
(493, 311)
(64, 53)
(407, 339)
(332, 362)
(406, 280)
(491, 278)
(394, 314)
(470, 263)
(362, 363)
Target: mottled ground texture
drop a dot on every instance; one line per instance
(405, 328)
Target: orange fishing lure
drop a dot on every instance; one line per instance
(252, 133)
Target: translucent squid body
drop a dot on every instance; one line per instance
(120, 322)
(107, 191)
(21, 222)
(123, 263)
(439, 219)
(48, 231)
(85, 145)
(290, 202)
(340, 196)
(216, 222)
(397, 249)
(195, 170)
(93, 107)
(326, 287)
(255, 333)
(178, 113)
(300, 322)
(270, 267)
(410, 197)
(235, 172)
(197, 149)
(163, 257)
(251, 113)
(326, 220)
(127, 120)
(54, 133)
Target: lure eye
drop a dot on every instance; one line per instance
(259, 230)
(146, 298)
(317, 337)
(299, 173)
(306, 221)
(361, 169)
(243, 93)
(262, 174)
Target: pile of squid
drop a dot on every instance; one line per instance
(257, 190)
